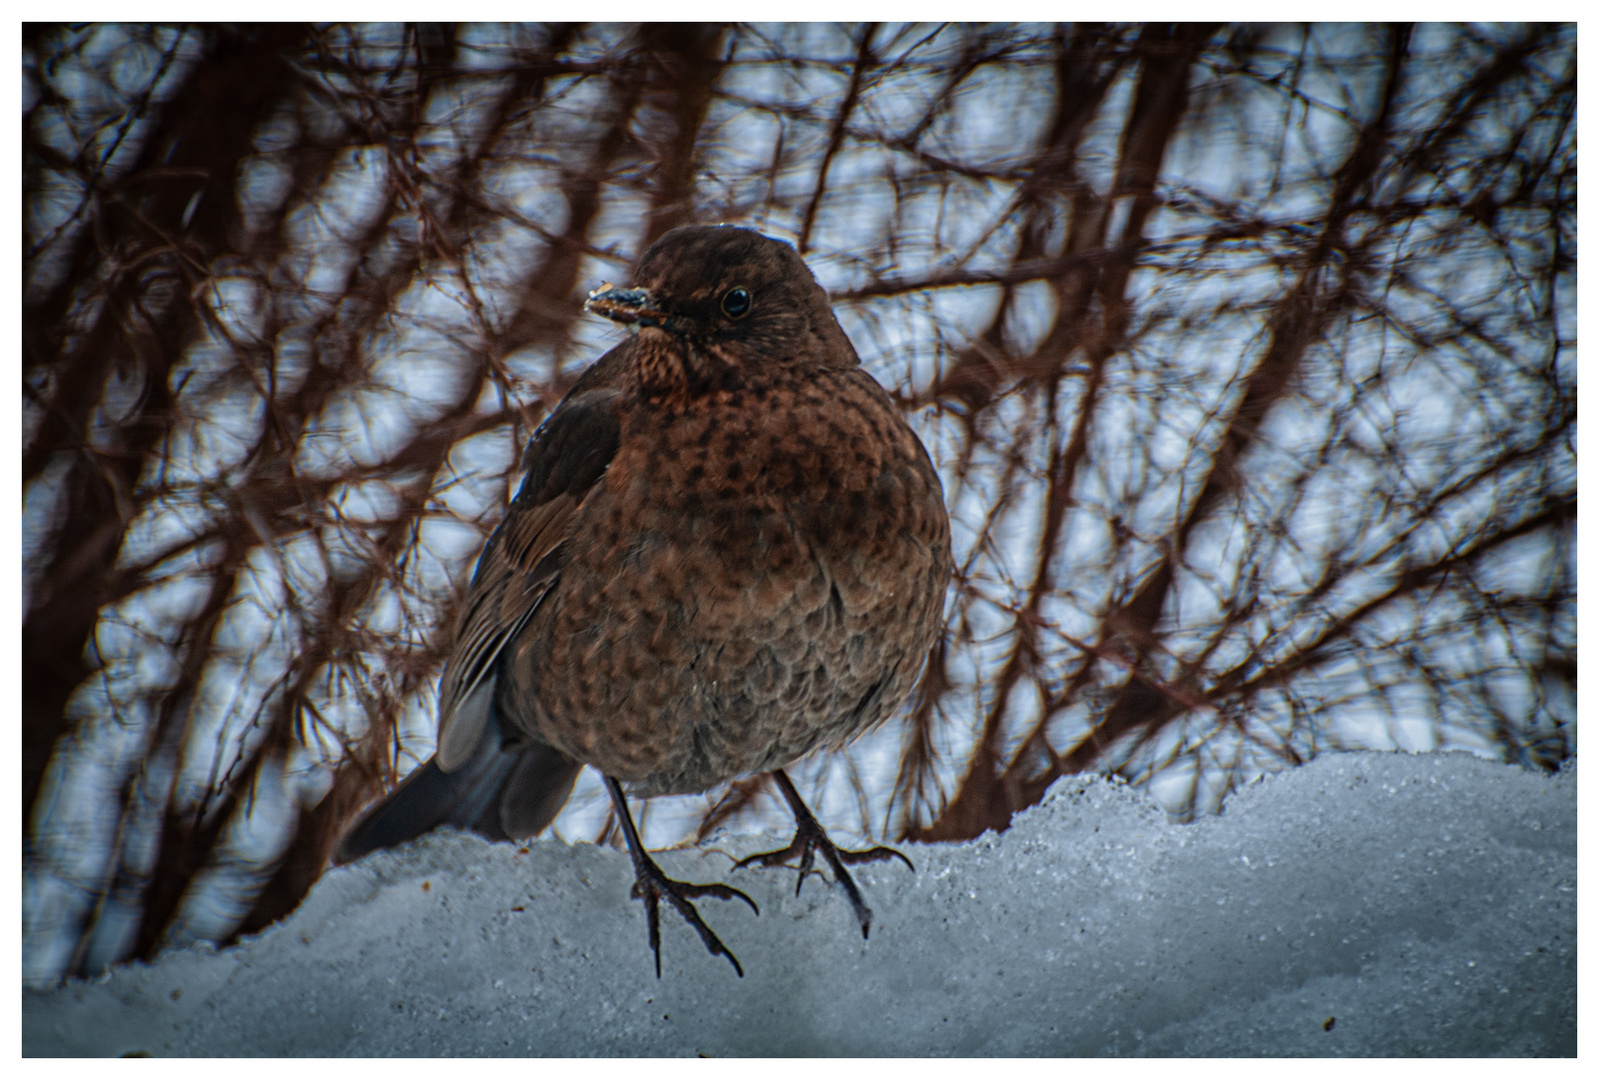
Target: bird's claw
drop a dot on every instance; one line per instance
(651, 884)
(809, 838)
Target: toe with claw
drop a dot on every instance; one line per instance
(651, 885)
(809, 838)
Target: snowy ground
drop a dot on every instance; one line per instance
(1365, 904)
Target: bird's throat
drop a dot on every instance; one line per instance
(662, 364)
(671, 370)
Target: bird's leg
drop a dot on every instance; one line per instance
(809, 838)
(650, 884)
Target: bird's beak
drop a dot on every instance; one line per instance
(631, 307)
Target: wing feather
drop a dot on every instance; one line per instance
(522, 561)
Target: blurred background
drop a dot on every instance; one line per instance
(1246, 354)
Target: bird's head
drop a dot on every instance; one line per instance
(717, 302)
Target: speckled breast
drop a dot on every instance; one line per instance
(762, 571)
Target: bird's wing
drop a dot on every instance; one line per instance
(523, 560)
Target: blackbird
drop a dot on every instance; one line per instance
(729, 550)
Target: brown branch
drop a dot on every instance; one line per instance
(689, 60)
(983, 801)
(552, 302)
(1299, 319)
(864, 62)
(1308, 654)
(208, 127)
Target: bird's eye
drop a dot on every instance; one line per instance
(736, 303)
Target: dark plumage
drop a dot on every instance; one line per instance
(729, 550)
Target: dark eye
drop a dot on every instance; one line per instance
(736, 303)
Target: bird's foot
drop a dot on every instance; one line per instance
(809, 838)
(651, 885)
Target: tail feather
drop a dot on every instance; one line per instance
(500, 794)
(536, 790)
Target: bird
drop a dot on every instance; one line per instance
(729, 549)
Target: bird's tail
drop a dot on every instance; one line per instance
(498, 793)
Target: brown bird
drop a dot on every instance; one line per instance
(729, 550)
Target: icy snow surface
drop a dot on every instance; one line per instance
(1364, 904)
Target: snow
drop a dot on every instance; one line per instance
(1365, 904)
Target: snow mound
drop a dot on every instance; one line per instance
(1365, 904)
